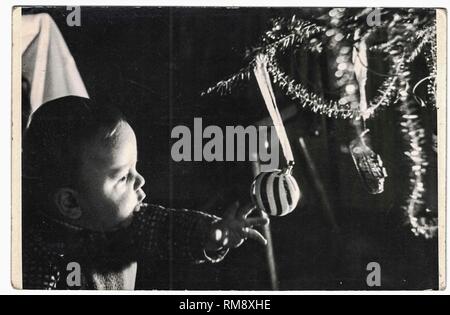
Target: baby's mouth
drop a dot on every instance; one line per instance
(140, 204)
(141, 197)
(138, 207)
(125, 223)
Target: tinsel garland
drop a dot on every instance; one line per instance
(296, 91)
(294, 32)
(283, 35)
(424, 41)
(422, 220)
(431, 61)
(339, 37)
(297, 33)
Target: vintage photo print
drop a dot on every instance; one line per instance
(213, 148)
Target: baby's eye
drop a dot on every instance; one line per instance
(123, 178)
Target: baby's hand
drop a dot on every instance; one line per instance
(235, 228)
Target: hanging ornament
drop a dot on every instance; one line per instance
(360, 68)
(368, 164)
(277, 192)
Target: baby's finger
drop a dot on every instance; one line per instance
(236, 239)
(255, 235)
(256, 222)
(245, 211)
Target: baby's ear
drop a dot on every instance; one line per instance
(66, 200)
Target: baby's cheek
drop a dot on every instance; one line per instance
(112, 196)
(125, 202)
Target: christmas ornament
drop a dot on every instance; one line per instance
(277, 192)
(369, 165)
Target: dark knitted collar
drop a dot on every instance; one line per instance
(68, 241)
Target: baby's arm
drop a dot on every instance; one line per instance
(170, 234)
(194, 236)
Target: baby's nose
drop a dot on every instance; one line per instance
(140, 181)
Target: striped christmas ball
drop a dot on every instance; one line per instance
(276, 193)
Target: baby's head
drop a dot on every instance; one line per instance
(79, 164)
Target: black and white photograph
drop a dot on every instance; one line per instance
(229, 148)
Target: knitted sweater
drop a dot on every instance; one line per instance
(60, 256)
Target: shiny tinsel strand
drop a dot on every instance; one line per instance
(422, 220)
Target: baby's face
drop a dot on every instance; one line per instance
(111, 187)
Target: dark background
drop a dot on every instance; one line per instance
(154, 63)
